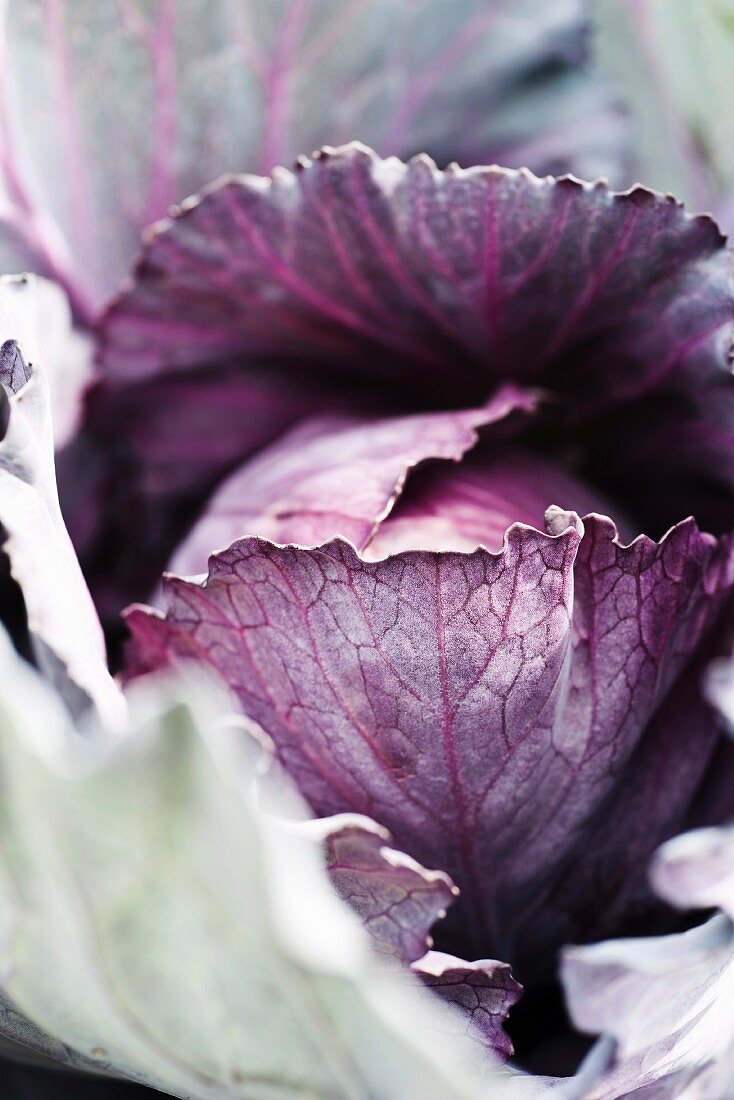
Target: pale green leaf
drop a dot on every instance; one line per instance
(62, 621)
(156, 923)
(673, 65)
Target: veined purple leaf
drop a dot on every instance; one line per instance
(337, 476)
(396, 898)
(14, 371)
(428, 282)
(488, 710)
(111, 110)
(379, 287)
(473, 276)
(484, 990)
(398, 901)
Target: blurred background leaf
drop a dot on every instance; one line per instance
(111, 110)
(672, 64)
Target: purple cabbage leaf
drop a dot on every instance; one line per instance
(443, 603)
(434, 692)
(423, 417)
(345, 287)
(440, 461)
(398, 902)
(342, 474)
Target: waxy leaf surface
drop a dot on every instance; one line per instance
(163, 928)
(489, 710)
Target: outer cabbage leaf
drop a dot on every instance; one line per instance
(152, 101)
(35, 313)
(62, 621)
(489, 710)
(161, 926)
(667, 1001)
